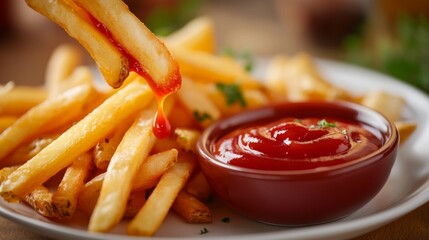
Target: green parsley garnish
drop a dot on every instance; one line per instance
(232, 93)
(323, 123)
(204, 231)
(243, 56)
(201, 117)
(226, 220)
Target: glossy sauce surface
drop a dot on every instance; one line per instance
(161, 125)
(296, 144)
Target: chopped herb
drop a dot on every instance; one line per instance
(201, 117)
(204, 231)
(323, 123)
(226, 220)
(232, 93)
(243, 56)
(297, 120)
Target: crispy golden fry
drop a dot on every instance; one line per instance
(199, 187)
(139, 42)
(148, 176)
(62, 63)
(105, 149)
(112, 64)
(80, 75)
(198, 103)
(385, 103)
(40, 199)
(154, 211)
(197, 34)
(152, 170)
(6, 122)
(405, 129)
(19, 99)
(65, 199)
(6, 171)
(191, 209)
(76, 140)
(187, 138)
(135, 203)
(65, 107)
(297, 79)
(206, 67)
(124, 165)
(28, 150)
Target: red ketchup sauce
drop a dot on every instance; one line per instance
(296, 144)
(161, 126)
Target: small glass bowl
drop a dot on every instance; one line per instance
(301, 197)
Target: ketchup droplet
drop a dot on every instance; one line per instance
(161, 126)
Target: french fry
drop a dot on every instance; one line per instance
(191, 209)
(405, 129)
(197, 103)
(5, 172)
(148, 176)
(205, 67)
(197, 34)
(154, 211)
(138, 41)
(274, 78)
(199, 187)
(44, 114)
(105, 149)
(40, 199)
(135, 202)
(65, 199)
(62, 62)
(19, 100)
(130, 154)
(387, 104)
(75, 141)
(28, 150)
(113, 66)
(6, 121)
(187, 138)
(80, 75)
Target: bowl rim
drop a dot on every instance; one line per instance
(390, 144)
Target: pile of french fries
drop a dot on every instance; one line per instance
(68, 146)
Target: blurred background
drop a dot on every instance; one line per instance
(391, 36)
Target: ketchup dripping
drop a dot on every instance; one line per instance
(161, 126)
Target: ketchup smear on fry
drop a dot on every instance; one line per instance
(296, 144)
(161, 126)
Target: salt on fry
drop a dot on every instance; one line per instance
(154, 211)
(75, 141)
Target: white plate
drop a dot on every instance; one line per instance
(407, 187)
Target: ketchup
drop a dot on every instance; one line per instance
(296, 144)
(161, 126)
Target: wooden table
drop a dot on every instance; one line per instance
(248, 25)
